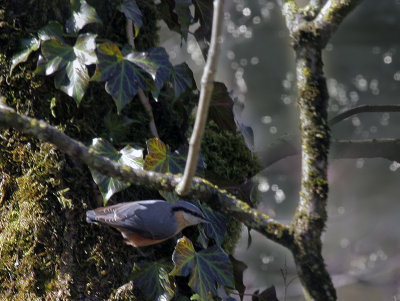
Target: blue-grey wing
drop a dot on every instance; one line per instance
(150, 219)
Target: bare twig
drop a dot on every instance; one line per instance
(146, 104)
(204, 100)
(286, 146)
(363, 109)
(386, 148)
(142, 97)
(200, 188)
(129, 32)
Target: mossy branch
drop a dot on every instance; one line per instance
(200, 188)
(207, 86)
(289, 12)
(330, 16)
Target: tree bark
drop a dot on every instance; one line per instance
(310, 217)
(310, 29)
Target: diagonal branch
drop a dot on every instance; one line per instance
(200, 188)
(363, 109)
(204, 100)
(289, 12)
(385, 148)
(330, 16)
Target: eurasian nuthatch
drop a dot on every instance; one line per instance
(144, 223)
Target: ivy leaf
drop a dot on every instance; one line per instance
(213, 266)
(53, 30)
(176, 161)
(26, 47)
(132, 12)
(82, 14)
(203, 13)
(57, 55)
(206, 268)
(143, 60)
(238, 269)
(70, 62)
(221, 106)
(159, 158)
(73, 80)
(181, 78)
(166, 10)
(182, 10)
(130, 156)
(161, 59)
(153, 279)
(85, 47)
(268, 294)
(217, 228)
(176, 14)
(183, 257)
(123, 72)
(223, 295)
(156, 155)
(117, 126)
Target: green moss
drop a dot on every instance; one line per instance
(234, 230)
(27, 250)
(229, 162)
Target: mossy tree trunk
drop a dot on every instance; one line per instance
(47, 250)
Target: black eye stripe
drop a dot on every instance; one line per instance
(175, 209)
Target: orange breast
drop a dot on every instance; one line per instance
(138, 241)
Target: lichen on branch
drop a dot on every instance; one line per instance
(200, 188)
